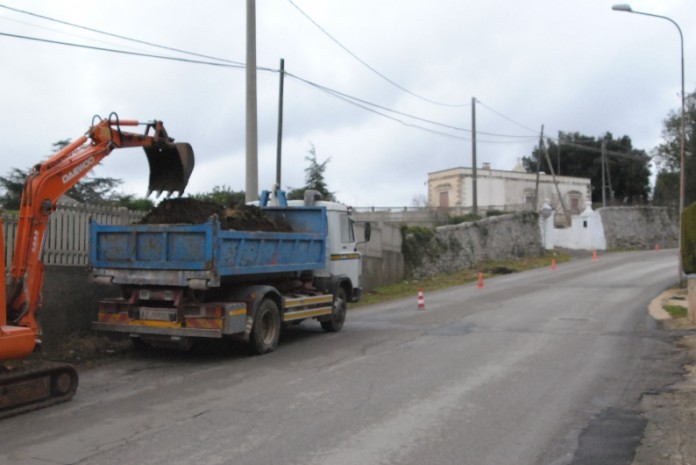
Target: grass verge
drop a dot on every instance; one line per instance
(409, 288)
(676, 311)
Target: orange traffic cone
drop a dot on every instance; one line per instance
(421, 300)
(553, 264)
(594, 255)
(480, 281)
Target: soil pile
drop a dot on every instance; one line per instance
(192, 211)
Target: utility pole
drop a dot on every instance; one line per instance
(558, 191)
(558, 171)
(279, 143)
(611, 187)
(604, 183)
(536, 186)
(252, 141)
(474, 195)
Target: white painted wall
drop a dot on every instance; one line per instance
(585, 233)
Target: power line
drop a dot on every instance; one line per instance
(361, 61)
(337, 94)
(418, 118)
(118, 36)
(123, 52)
(588, 148)
(506, 118)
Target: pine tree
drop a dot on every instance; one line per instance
(314, 178)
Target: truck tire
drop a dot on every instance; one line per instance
(266, 330)
(340, 305)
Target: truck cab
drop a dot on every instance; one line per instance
(342, 257)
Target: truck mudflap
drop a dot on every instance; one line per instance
(36, 386)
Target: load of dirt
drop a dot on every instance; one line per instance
(193, 211)
(182, 211)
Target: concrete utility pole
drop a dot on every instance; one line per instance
(279, 143)
(252, 141)
(604, 182)
(474, 190)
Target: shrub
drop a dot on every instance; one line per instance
(688, 239)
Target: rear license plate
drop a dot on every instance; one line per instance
(157, 315)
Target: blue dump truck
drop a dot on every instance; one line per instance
(182, 282)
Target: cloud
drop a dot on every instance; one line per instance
(571, 66)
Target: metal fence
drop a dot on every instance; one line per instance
(424, 216)
(67, 235)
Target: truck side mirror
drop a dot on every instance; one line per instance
(367, 233)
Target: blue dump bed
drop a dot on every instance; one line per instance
(173, 254)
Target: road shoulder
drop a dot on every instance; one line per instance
(670, 435)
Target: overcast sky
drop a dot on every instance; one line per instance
(570, 65)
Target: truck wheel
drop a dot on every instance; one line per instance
(338, 316)
(266, 330)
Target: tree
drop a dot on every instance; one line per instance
(131, 202)
(627, 173)
(223, 196)
(314, 178)
(91, 189)
(12, 185)
(668, 156)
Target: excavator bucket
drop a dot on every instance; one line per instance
(170, 167)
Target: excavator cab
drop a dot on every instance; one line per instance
(170, 167)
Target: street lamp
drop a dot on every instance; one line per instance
(627, 8)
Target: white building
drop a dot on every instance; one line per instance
(506, 190)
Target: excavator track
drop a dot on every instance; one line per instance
(35, 386)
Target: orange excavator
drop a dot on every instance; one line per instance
(27, 386)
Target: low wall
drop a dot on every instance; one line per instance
(69, 304)
(638, 227)
(383, 262)
(458, 247)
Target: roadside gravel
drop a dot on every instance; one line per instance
(670, 436)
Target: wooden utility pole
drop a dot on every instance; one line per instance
(558, 171)
(538, 168)
(252, 141)
(558, 191)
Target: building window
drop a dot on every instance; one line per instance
(574, 198)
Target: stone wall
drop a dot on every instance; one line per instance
(459, 247)
(638, 227)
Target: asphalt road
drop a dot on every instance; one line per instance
(541, 367)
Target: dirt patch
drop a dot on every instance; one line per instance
(499, 270)
(88, 350)
(192, 211)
